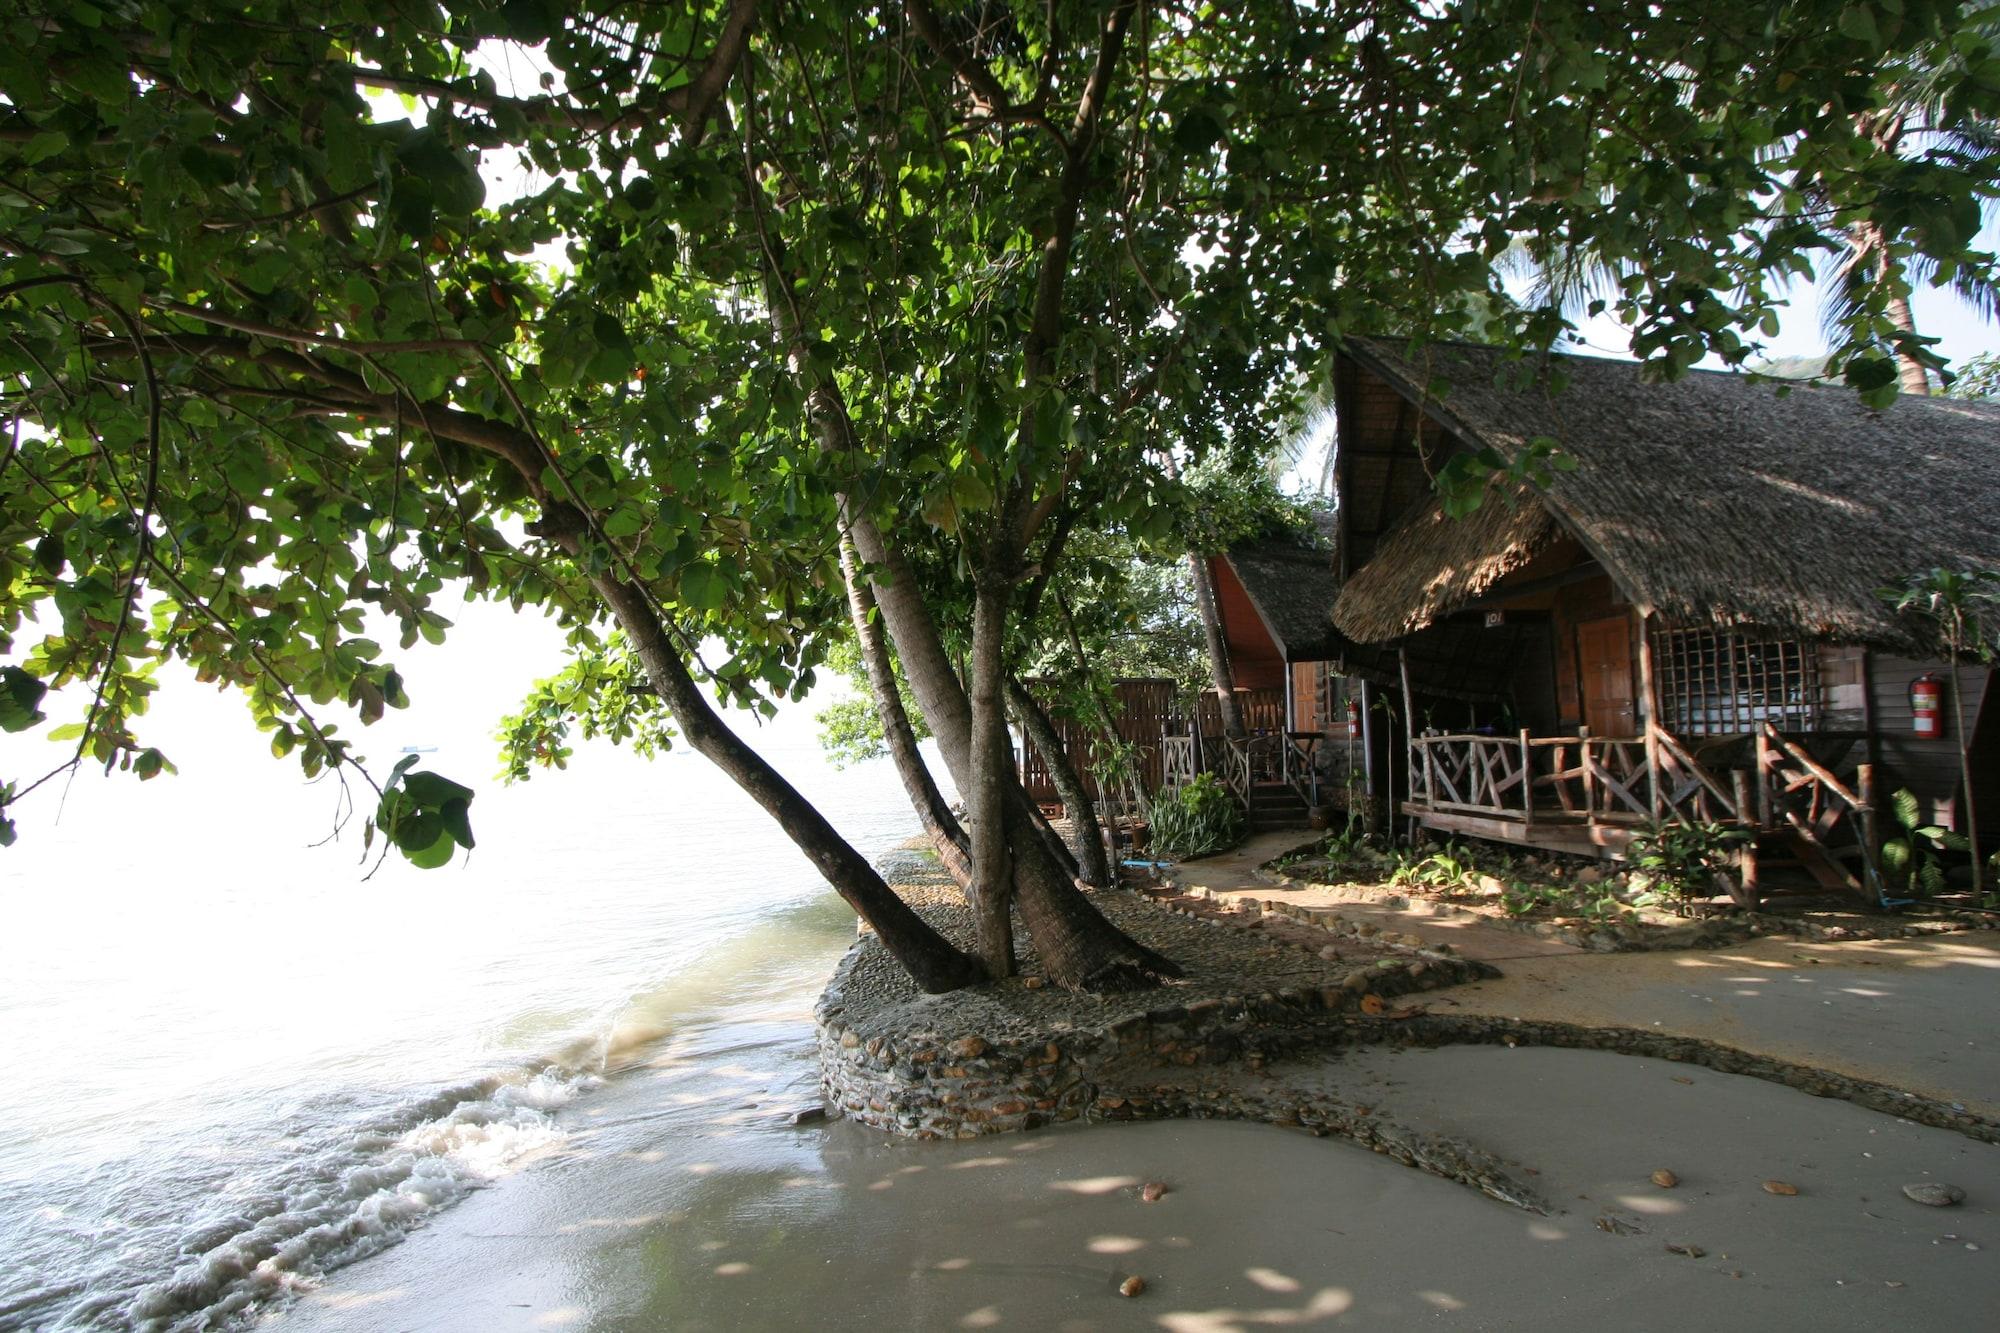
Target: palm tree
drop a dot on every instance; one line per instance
(1915, 116)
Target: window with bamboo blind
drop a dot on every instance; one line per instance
(1715, 683)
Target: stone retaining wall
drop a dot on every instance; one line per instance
(935, 1081)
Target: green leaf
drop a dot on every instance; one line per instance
(433, 791)
(43, 146)
(458, 822)
(20, 699)
(1858, 22)
(433, 855)
(703, 587)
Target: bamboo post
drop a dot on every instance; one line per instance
(1656, 798)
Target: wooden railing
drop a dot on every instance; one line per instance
(1285, 757)
(1263, 709)
(1771, 783)
(1592, 778)
(1177, 762)
(1830, 820)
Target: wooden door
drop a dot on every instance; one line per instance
(1604, 660)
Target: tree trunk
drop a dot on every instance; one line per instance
(1079, 949)
(1135, 787)
(1868, 238)
(986, 800)
(1218, 648)
(1095, 868)
(953, 849)
(935, 963)
(1058, 849)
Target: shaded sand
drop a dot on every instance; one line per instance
(684, 1205)
(1916, 1014)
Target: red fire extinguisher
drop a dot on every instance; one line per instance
(1927, 706)
(1354, 719)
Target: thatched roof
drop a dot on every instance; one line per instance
(1711, 500)
(1431, 565)
(1292, 582)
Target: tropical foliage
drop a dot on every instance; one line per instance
(1197, 818)
(316, 317)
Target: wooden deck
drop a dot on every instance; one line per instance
(1807, 794)
(1553, 831)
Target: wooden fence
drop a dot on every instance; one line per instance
(1145, 712)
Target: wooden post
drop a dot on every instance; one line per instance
(1368, 739)
(1527, 782)
(1656, 798)
(1864, 782)
(1589, 777)
(1409, 720)
(1763, 779)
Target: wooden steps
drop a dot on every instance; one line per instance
(1274, 805)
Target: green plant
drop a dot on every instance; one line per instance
(1965, 605)
(1350, 838)
(1911, 857)
(1683, 860)
(1519, 897)
(1197, 818)
(1449, 868)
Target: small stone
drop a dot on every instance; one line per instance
(1032, 983)
(1329, 953)
(1682, 1078)
(1934, 1194)
(1691, 1251)
(1665, 1179)
(1153, 1191)
(967, 1048)
(1780, 1187)
(1132, 1286)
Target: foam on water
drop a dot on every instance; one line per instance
(251, 1066)
(338, 1206)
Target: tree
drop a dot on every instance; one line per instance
(935, 283)
(1917, 104)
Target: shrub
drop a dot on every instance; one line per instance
(1685, 860)
(1196, 819)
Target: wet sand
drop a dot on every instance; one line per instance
(683, 1203)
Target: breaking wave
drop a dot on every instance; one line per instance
(343, 1194)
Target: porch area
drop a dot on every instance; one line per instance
(1807, 799)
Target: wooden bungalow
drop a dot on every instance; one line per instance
(1686, 626)
(1274, 596)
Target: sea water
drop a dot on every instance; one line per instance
(236, 1061)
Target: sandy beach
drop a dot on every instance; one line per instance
(686, 1200)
